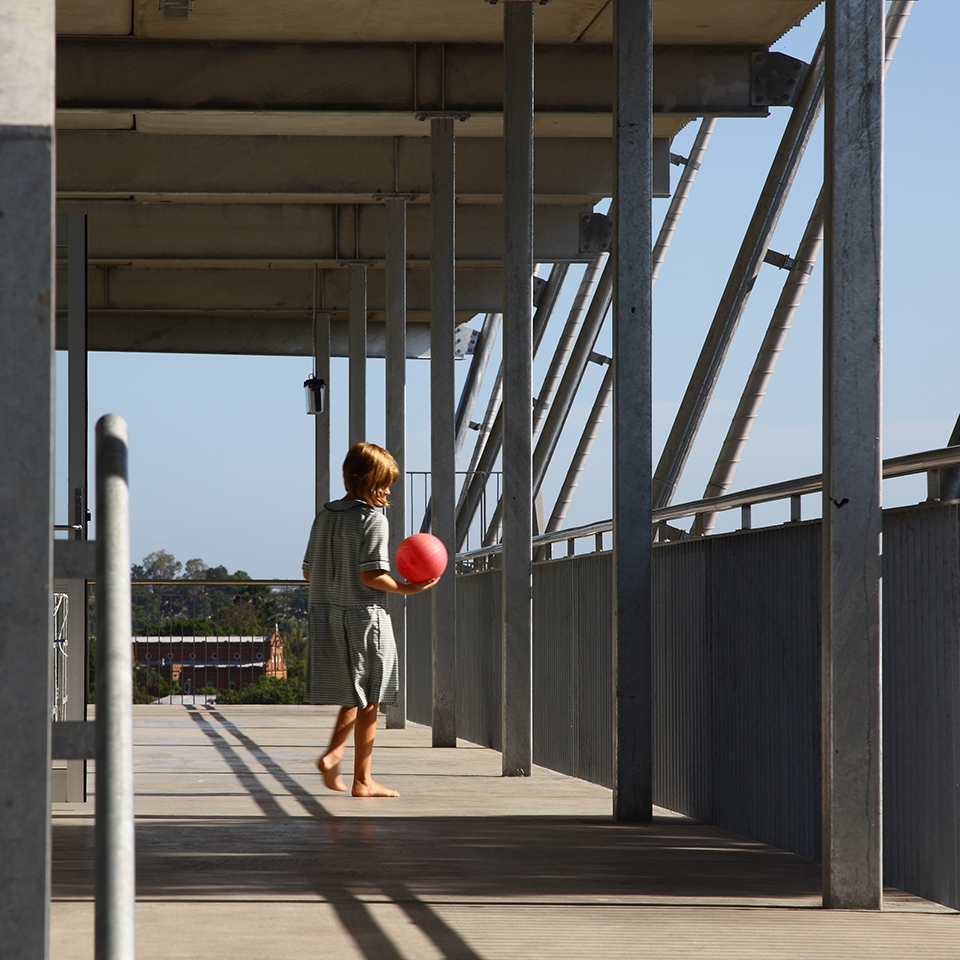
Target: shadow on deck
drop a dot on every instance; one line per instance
(241, 850)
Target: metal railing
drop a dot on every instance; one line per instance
(928, 461)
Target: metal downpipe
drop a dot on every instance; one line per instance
(578, 310)
(780, 323)
(567, 390)
(667, 229)
(488, 444)
(763, 367)
(746, 267)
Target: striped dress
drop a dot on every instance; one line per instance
(352, 654)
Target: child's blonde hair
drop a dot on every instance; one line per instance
(368, 471)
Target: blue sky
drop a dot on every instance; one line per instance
(222, 452)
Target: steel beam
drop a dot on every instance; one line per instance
(442, 432)
(851, 698)
(632, 412)
(395, 398)
(118, 165)
(131, 75)
(517, 579)
(321, 369)
(733, 301)
(26, 472)
(357, 415)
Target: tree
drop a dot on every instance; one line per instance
(158, 565)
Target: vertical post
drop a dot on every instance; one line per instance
(517, 500)
(357, 417)
(26, 470)
(115, 876)
(77, 482)
(851, 696)
(321, 366)
(632, 458)
(442, 428)
(395, 350)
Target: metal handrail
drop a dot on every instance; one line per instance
(893, 467)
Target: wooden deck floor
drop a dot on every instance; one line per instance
(242, 854)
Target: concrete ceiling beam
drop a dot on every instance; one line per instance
(129, 231)
(126, 164)
(128, 332)
(278, 293)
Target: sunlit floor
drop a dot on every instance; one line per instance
(241, 853)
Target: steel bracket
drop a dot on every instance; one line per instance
(775, 79)
(596, 232)
(783, 261)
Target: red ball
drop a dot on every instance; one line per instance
(421, 557)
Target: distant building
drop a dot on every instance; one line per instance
(226, 663)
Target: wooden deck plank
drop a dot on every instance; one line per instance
(240, 849)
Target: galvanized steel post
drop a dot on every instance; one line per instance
(115, 874)
(632, 409)
(851, 695)
(358, 354)
(26, 471)
(75, 225)
(395, 351)
(517, 579)
(442, 434)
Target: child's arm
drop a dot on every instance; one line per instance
(381, 580)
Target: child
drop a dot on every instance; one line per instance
(352, 653)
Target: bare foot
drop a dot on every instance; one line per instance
(331, 774)
(371, 788)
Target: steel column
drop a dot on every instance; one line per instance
(358, 353)
(442, 432)
(115, 874)
(851, 809)
(26, 471)
(396, 427)
(632, 409)
(517, 580)
(321, 368)
(76, 223)
(755, 244)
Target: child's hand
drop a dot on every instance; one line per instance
(411, 588)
